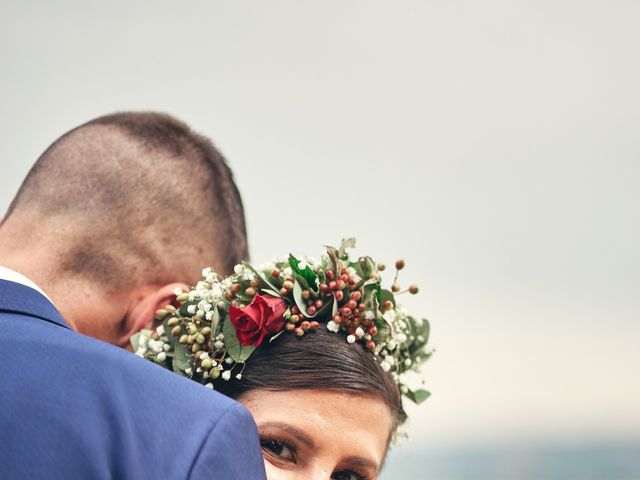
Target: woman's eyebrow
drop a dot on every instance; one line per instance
(361, 462)
(299, 434)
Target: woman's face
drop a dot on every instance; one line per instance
(320, 434)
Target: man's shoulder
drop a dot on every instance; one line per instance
(99, 402)
(104, 368)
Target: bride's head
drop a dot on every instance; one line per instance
(324, 407)
(317, 351)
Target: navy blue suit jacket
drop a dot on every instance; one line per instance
(72, 407)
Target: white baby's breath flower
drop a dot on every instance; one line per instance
(188, 371)
(228, 361)
(209, 315)
(177, 291)
(191, 309)
(161, 356)
(226, 375)
(160, 330)
(401, 337)
(238, 269)
(218, 345)
(333, 326)
(351, 338)
(369, 315)
(385, 366)
(156, 345)
(389, 316)
(166, 347)
(206, 271)
(209, 386)
(239, 376)
(359, 332)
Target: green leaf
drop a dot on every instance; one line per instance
(215, 322)
(273, 293)
(307, 273)
(346, 243)
(260, 276)
(184, 308)
(297, 297)
(385, 295)
(135, 341)
(368, 268)
(180, 359)
(334, 261)
(236, 351)
(417, 396)
(167, 330)
(276, 335)
(301, 280)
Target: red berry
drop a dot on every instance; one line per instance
(275, 273)
(313, 325)
(373, 330)
(344, 277)
(299, 332)
(357, 295)
(324, 287)
(312, 310)
(305, 325)
(306, 294)
(332, 285)
(337, 318)
(362, 307)
(295, 310)
(319, 303)
(340, 284)
(339, 295)
(346, 311)
(371, 344)
(352, 304)
(290, 326)
(330, 274)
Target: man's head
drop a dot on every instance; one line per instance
(120, 209)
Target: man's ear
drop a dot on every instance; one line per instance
(142, 313)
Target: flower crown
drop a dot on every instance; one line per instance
(209, 332)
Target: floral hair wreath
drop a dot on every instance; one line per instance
(211, 331)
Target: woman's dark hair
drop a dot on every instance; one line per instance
(319, 360)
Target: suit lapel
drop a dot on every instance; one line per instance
(17, 298)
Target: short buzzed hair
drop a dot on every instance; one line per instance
(136, 196)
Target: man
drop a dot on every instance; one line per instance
(113, 217)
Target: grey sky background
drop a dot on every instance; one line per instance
(493, 145)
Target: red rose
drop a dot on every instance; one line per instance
(261, 317)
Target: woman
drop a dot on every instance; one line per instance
(316, 351)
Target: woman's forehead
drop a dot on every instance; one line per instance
(329, 419)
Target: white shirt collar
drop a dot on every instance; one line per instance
(13, 276)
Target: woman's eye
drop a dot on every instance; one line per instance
(278, 449)
(348, 475)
